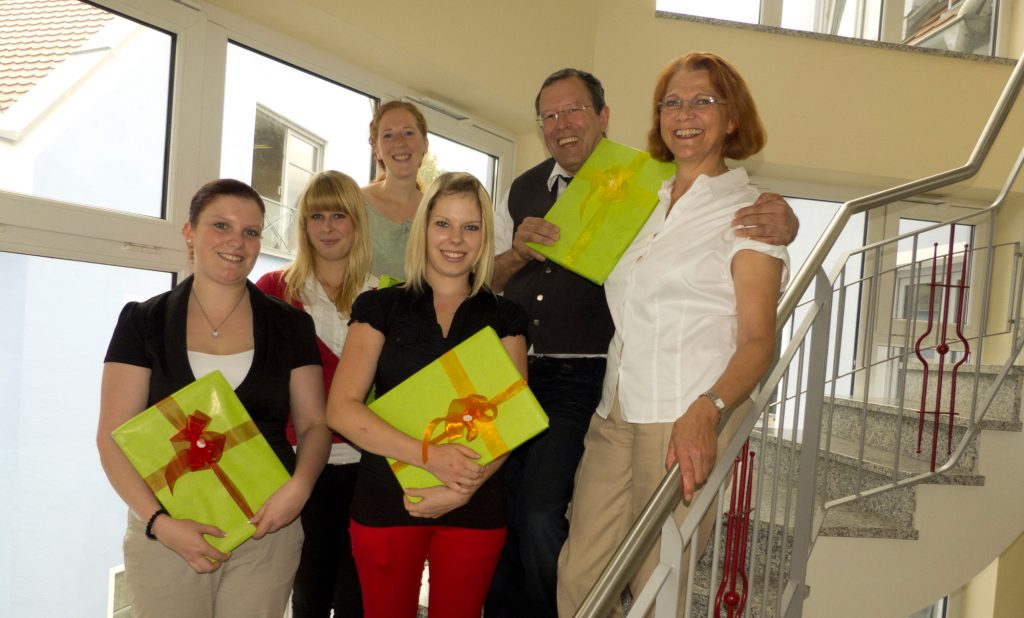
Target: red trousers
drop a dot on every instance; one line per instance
(390, 565)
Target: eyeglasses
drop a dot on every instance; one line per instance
(552, 117)
(703, 102)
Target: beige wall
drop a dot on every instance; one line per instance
(996, 592)
(836, 112)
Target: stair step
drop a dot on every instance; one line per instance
(1006, 404)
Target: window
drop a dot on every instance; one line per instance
(284, 158)
(83, 106)
(49, 471)
(954, 25)
(446, 155)
(967, 26)
(282, 125)
(940, 251)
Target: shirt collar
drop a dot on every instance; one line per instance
(557, 171)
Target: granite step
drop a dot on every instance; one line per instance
(1006, 406)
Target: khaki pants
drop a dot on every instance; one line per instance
(254, 583)
(622, 465)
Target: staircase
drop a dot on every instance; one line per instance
(896, 516)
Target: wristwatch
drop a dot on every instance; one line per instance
(715, 399)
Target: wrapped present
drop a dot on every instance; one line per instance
(603, 209)
(472, 395)
(204, 458)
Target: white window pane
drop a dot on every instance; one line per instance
(267, 263)
(746, 11)
(62, 523)
(316, 106)
(83, 106)
(449, 156)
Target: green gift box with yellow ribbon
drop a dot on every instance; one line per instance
(472, 395)
(603, 209)
(204, 458)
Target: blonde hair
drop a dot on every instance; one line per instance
(331, 191)
(451, 183)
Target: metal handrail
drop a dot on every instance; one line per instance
(667, 495)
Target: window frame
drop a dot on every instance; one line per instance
(51, 228)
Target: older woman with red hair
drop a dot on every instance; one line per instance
(694, 312)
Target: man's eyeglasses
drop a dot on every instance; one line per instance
(551, 118)
(703, 102)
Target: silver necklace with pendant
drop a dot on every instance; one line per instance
(216, 329)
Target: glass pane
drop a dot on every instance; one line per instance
(62, 522)
(301, 153)
(746, 11)
(446, 155)
(860, 19)
(962, 26)
(268, 155)
(83, 106)
(324, 124)
(267, 263)
(917, 299)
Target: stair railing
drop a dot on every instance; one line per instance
(809, 350)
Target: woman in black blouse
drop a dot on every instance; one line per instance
(267, 352)
(459, 526)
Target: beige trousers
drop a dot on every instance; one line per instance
(254, 583)
(622, 465)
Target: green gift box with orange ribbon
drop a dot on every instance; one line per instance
(472, 395)
(204, 458)
(603, 209)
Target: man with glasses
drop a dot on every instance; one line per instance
(569, 331)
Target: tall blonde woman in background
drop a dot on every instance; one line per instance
(331, 268)
(216, 320)
(694, 312)
(398, 136)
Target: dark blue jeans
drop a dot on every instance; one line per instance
(539, 476)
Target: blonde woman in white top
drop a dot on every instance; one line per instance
(694, 310)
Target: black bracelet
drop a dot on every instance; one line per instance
(149, 524)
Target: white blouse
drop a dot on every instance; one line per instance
(332, 329)
(672, 300)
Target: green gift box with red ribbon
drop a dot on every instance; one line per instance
(204, 458)
(472, 395)
(603, 209)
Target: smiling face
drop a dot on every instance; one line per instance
(454, 236)
(695, 137)
(572, 137)
(330, 233)
(400, 144)
(225, 239)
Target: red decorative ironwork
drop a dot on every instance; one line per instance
(732, 591)
(942, 347)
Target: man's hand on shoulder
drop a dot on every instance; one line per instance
(769, 220)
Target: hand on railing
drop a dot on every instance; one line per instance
(694, 444)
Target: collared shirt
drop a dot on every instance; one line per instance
(332, 329)
(672, 299)
(504, 228)
(331, 326)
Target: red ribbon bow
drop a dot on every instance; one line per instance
(197, 449)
